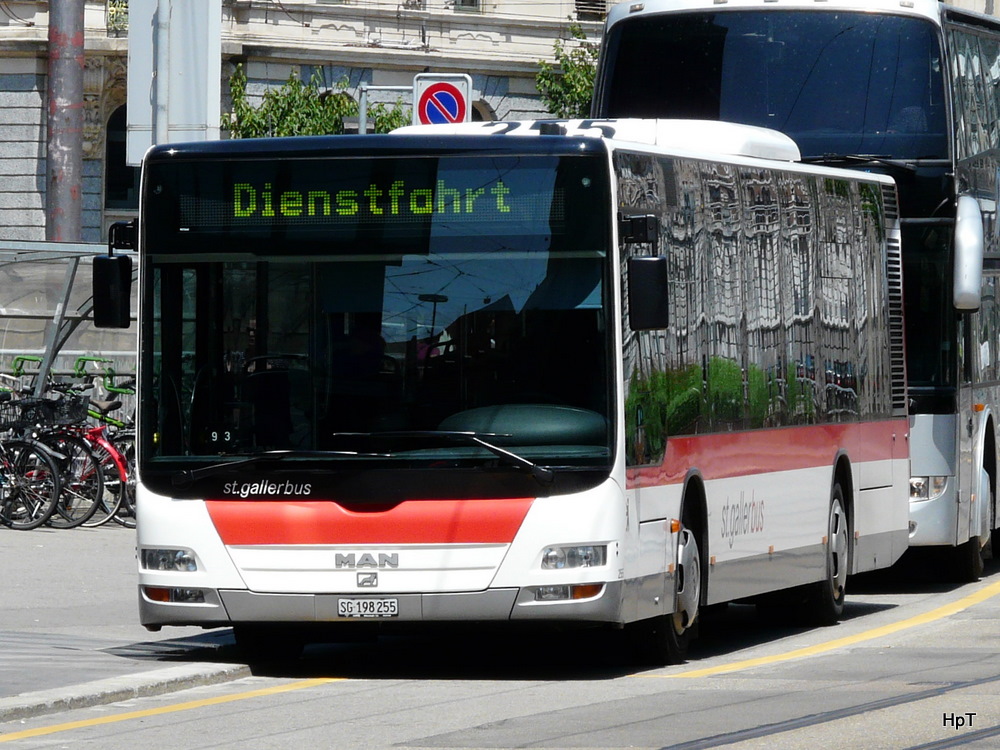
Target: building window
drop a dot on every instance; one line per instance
(468, 6)
(591, 10)
(121, 181)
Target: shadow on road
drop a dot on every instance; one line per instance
(919, 571)
(470, 652)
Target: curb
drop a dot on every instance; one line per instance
(115, 689)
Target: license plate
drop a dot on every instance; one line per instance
(367, 607)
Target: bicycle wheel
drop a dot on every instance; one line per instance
(81, 478)
(31, 485)
(111, 497)
(125, 515)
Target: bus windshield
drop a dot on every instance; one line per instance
(838, 83)
(410, 310)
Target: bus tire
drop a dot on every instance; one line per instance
(994, 531)
(665, 639)
(825, 602)
(968, 561)
(969, 557)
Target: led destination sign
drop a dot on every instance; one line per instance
(375, 201)
(342, 199)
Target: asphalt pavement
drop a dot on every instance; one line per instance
(69, 627)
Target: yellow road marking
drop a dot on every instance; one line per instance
(935, 614)
(56, 728)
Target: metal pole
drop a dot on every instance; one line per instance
(363, 89)
(363, 110)
(54, 327)
(64, 140)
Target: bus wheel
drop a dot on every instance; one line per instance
(968, 564)
(968, 557)
(994, 535)
(825, 603)
(665, 639)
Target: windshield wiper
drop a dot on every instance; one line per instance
(909, 165)
(543, 474)
(186, 477)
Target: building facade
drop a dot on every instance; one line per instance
(345, 43)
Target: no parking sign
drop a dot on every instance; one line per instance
(441, 98)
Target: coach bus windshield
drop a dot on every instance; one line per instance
(403, 311)
(838, 83)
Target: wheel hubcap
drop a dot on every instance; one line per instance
(838, 548)
(688, 581)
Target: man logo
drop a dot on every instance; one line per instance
(366, 560)
(367, 580)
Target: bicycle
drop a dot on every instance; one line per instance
(96, 461)
(29, 477)
(105, 478)
(83, 478)
(119, 433)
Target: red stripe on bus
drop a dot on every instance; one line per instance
(253, 522)
(733, 454)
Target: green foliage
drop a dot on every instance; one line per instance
(386, 119)
(568, 86)
(669, 403)
(839, 188)
(689, 400)
(725, 390)
(300, 108)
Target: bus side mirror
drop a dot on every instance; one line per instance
(112, 291)
(112, 279)
(969, 248)
(647, 293)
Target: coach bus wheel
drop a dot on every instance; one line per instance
(665, 639)
(968, 557)
(826, 600)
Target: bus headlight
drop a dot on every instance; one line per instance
(176, 560)
(927, 488)
(578, 556)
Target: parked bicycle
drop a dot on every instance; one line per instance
(95, 461)
(29, 476)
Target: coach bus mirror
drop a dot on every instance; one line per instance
(969, 248)
(647, 293)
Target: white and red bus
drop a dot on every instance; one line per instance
(909, 89)
(584, 373)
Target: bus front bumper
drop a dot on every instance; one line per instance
(225, 607)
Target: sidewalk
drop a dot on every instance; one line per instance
(45, 674)
(69, 628)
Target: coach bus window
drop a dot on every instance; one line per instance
(735, 66)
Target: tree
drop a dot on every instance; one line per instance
(568, 86)
(300, 108)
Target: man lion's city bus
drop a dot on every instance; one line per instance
(909, 88)
(578, 373)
